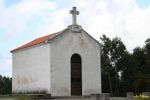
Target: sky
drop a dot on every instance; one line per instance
(24, 20)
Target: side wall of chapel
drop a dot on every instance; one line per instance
(31, 70)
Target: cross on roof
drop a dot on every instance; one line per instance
(74, 13)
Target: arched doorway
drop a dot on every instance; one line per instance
(76, 75)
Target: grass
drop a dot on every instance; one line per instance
(26, 97)
(23, 98)
(141, 99)
(16, 97)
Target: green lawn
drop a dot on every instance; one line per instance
(23, 98)
(141, 98)
(123, 98)
(15, 98)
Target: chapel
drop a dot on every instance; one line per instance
(65, 63)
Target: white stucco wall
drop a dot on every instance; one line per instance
(31, 70)
(62, 48)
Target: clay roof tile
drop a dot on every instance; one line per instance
(37, 41)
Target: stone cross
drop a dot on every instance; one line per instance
(74, 13)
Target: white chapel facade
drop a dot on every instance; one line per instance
(66, 63)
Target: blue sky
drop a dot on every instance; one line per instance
(143, 3)
(24, 20)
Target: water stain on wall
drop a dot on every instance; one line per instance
(24, 80)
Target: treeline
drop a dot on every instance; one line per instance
(122, 71)
(5, 85)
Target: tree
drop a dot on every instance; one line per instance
(147, 63)
(138, 60)
(134, 67)
(106, 66)
(112, 55)
(5, 85)
(135, 75)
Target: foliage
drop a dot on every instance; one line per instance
(112, 55)
(140, 68)
(5, 85)
(134, 67)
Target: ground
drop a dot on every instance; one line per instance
(28, 98)
(15, 98)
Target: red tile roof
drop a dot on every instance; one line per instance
(37, 41)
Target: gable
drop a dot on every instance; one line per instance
(69, 31)
(71, 39)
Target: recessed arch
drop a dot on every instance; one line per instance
(76, 75)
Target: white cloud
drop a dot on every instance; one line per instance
(34, 6)
(54, 22)
(5, 66)
(2, 6)
(14, 19)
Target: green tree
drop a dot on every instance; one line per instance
(147, 63)
(105, 63)
(134, 76)
(112, 55)
(5, 85)
(138, 60)
(134, 67)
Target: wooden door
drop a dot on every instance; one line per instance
(76, 75)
